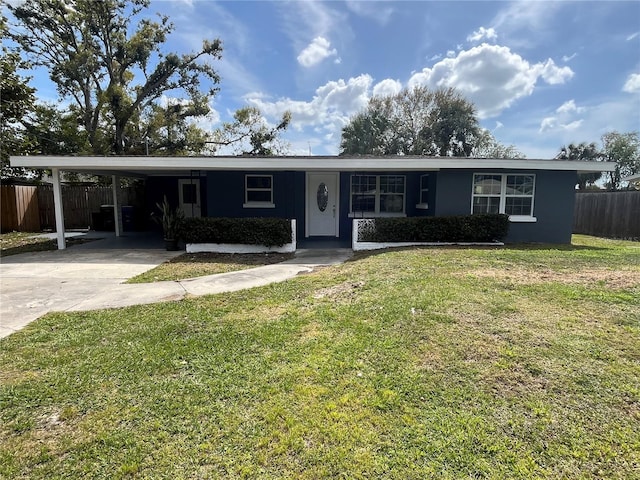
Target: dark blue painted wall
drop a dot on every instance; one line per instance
(227, 196)
(553, 203)
(223, 195)
(158, 187)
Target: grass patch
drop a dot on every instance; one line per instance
(402, 364)
(13, 243)
(190, 265)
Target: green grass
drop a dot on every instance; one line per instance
(190, 265)
(516, 362)
(13, 243)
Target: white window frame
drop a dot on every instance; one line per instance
(247, 189)
(377, 213)
(423, 192)
(503, 195)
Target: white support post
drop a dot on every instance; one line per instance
(57, 206)
(117, 214)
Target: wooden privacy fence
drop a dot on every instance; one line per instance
(608, 214)
(79, 202)
(31, 208)
(19, 208)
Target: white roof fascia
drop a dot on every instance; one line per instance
(313, 163)
(632, 178)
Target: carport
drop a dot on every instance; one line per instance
(113, 167)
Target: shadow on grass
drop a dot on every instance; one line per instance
(41, 245)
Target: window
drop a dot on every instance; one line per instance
(381, 195)
(258, 191)
(504, 193)
(424, 192)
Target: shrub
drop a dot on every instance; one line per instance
(248, 231)
(463, 228)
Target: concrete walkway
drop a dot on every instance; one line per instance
(84, 278)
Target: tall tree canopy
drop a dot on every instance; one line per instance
(415, 121)
(113, 72)
(249, 134)
(486, 146)
(584, 152)
(624, 150)
(17, 99)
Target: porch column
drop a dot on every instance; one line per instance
(117, 214)
(57, 206)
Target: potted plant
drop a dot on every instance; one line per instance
(171, 222)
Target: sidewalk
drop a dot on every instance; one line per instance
(32, 285)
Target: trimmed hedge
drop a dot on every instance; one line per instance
(246, 231)
(463, 228)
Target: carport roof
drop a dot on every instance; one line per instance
(148, 165)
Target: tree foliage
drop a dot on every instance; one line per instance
(250, 134)
(415, 121)
(624, 150)
(113, 72)
(16, 101)
(486, 146)
(583, 152)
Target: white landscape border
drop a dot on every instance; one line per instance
(363, 246)
(244, 248)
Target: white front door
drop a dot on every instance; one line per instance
(189, 196)
(322, 204)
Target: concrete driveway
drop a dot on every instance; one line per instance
(32, 284)
(91, 276)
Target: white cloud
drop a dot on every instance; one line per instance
(483, 34)
(491, 76)
(552, 74)
(329, 109)
(564, 119)
(569, 107)
(315, 52)
(387, 87)
(532, 16)
(632, 85)
(548, 123)
(451, 53)
(567, 58)
(437, 56)
(573, 125)
(373, 10)
(632, 36)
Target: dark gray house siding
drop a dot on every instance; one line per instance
(553, 203)
(226, 197)
(450, 193)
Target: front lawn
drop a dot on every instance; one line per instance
(518, 362)
(190, 265)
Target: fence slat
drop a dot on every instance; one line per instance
(608, 214)
(31, 208)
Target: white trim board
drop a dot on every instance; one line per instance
(158, 165)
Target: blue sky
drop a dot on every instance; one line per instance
(541, 74)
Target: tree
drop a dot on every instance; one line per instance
(111, 70)
(583, 152)
(166, 130)
(16, 100)
(249, 134)
(486, 146)
(624, 150)
(415, 121)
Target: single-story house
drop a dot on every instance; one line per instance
(325, 193)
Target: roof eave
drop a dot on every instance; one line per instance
(315, 163)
